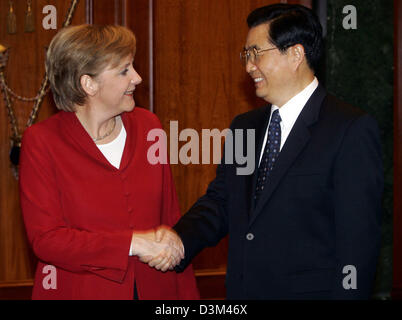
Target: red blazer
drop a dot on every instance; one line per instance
(80, 211)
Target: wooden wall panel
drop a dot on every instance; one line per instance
(107, 11)
(24, 75)
(397, 247)
(306, 3)
(139, 18)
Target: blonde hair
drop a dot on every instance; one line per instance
(84, 50)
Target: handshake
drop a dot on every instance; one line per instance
(161, 249)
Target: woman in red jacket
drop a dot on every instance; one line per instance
(89, 196)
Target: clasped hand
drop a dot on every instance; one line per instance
(161, 249)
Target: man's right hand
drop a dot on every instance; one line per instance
(162, 250)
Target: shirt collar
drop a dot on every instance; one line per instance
(291, 109)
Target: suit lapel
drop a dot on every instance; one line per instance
(82, 139)
(295, 143)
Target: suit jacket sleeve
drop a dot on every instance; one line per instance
(358, 184)
(52, 239)
(206, 223)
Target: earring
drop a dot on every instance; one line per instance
(11, 20)
(29, 18)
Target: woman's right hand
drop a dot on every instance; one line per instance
(148, 249)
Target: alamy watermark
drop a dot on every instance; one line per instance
(50, 20)
(50, 280)
(239, 143)
(350, 280)
(350, 20)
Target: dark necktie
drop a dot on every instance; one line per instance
(271, 152)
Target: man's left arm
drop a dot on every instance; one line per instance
(358, 184)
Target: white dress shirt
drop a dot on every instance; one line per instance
(289, 113)
(113, 151)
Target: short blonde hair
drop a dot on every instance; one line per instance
(84, 50)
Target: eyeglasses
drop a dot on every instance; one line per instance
(252, 54)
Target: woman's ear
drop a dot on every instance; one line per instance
(89, 85)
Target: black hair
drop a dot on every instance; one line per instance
(290, 25)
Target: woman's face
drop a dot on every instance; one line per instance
(116, 87)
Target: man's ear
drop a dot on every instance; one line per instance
(297, 55)
(89, 85)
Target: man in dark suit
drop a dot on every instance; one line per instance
(306, 224)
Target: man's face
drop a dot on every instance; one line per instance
(271, 69)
